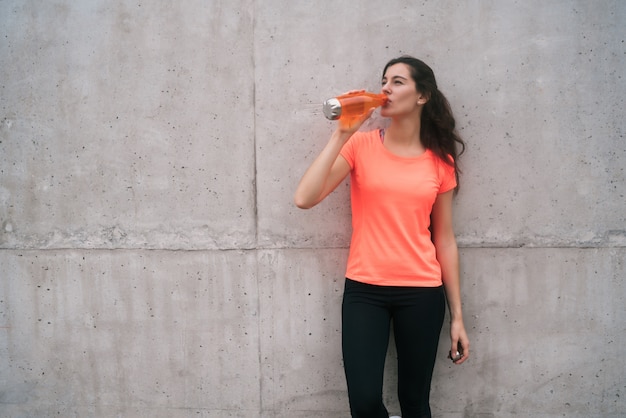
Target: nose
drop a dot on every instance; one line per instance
(385, 88)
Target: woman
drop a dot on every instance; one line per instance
(403, 261)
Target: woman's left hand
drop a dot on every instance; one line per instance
(460, 346)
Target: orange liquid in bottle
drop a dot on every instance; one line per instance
(352, 106)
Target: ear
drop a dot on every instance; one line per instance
(422, 99)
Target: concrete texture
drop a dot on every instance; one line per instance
(152, 263)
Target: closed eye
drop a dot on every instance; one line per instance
(397, 80)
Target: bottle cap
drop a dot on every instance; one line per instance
(332, 109)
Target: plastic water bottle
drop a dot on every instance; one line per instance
(352, 105)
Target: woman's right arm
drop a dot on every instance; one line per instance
(329, 168)
(325, 173)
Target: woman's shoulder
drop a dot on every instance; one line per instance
(447, 159)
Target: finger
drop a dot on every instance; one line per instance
(455, 349)
(466, 349)
(461, 360)
(348, 124)
(464, 352)
(455, 356)
(354, 123)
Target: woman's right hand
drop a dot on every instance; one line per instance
(350, 125)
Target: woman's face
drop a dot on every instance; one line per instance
(399, 87)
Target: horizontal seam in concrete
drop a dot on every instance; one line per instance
(190, 250)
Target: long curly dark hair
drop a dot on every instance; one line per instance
(438, 132)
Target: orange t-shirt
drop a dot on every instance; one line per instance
(392, 199)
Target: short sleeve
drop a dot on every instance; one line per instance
(349, 148)
(447, 177)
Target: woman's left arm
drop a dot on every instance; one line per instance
(448, 257)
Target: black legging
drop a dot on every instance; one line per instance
(367, 311)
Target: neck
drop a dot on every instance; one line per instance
(403, 138)
(405, 131)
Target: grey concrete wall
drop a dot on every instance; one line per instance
(152, 263)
